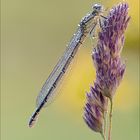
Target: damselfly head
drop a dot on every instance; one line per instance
(97, 7)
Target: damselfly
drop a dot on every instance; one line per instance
(86, 26)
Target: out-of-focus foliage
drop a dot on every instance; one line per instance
(34, 35)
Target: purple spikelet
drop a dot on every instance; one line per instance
(109, 66)
(106, 56)
(95, 108)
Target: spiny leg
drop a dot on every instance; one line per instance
(103, 17)
(92, 31)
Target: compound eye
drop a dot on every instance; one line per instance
(97, 7)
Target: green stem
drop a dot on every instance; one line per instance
(102, 135)
(104, 123)
(110, 119)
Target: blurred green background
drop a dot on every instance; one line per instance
(34, 35)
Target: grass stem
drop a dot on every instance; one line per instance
(110, 119)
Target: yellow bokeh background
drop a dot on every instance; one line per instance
(34, 35)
